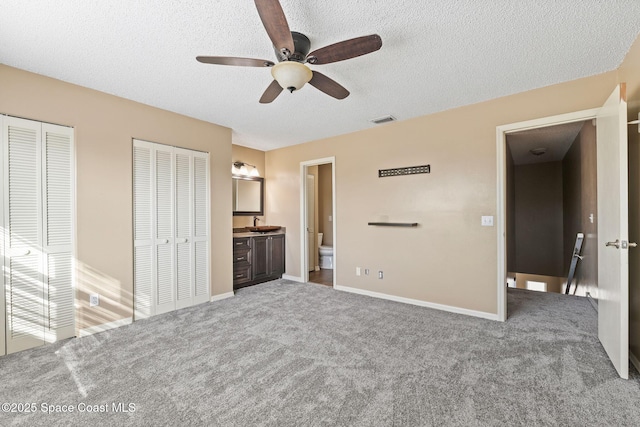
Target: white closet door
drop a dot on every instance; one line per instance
(3, 324)
(171, 228)
(24, 290)
(200, 237)
(57, 243)
(143, 228)
(165, 291)
(184, 226)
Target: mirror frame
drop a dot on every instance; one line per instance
(251, 213)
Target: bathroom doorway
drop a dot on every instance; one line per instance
(318, 237)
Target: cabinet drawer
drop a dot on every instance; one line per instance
(241, 256)
(241, 273)
(241, 244)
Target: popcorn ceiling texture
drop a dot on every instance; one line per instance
(436, 55)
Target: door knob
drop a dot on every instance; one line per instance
(616, 244)
(633, 244)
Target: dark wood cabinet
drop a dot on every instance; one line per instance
(242, 268)
(257, 259)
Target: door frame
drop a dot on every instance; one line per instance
(501, 161)
(304, 244)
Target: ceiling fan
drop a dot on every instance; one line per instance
(292, 51)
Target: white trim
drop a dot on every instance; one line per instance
(303, 218)
(501, 141)
(634, 360)
(293, 278)
(420, 303)
(105, 327)
(220, 297)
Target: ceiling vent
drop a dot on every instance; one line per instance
(381, 120)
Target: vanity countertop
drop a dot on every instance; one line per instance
(240, 232)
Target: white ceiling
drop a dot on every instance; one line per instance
(436, 55)
(556, 140)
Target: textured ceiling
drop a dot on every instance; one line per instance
(436, 55)
(556, 140)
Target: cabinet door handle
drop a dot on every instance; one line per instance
(239, 243)
(238, 276)
(239, 258)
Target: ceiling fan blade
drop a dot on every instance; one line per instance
(328, 86)
(275, 23)
(271, 93)
(229, 60)
(345, 50)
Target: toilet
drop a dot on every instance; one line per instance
(326, 254)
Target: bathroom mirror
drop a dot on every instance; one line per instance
(248, 195)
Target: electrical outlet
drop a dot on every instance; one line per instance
(380, 275)
(357, 271)
(94, 300)
(487, 221)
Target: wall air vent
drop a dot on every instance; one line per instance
(381, 120)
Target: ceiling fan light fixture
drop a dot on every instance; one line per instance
(291, 75)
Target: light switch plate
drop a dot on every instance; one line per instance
(487, 221)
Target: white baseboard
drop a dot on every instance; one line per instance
(442, 307)
(635, 361)
(105, 327)
(222, 296)
(293, 278)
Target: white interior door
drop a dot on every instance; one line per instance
(165, 289)
(613, 255)
(312, 252)
(57, 235)
(24, 288)
(171, 228)
(201, 227)
(183, 228)
(143, 229)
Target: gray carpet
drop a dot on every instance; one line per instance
(288, 354)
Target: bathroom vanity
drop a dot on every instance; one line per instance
(257, 257)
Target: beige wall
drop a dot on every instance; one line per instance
(579, 180)
(256, 158)
(104, 127)
(449, 259)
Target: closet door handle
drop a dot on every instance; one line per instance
(163, 240)
(20, 252)
(181, 240)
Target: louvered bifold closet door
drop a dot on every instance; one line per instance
(201, 227)
(57, 247)
(143, 229)
(171, 228)
(165, 291)
(22, 270)
(184, 227)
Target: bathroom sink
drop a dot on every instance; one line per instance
(264, 228)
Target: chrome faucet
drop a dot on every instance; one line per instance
(255, 221)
